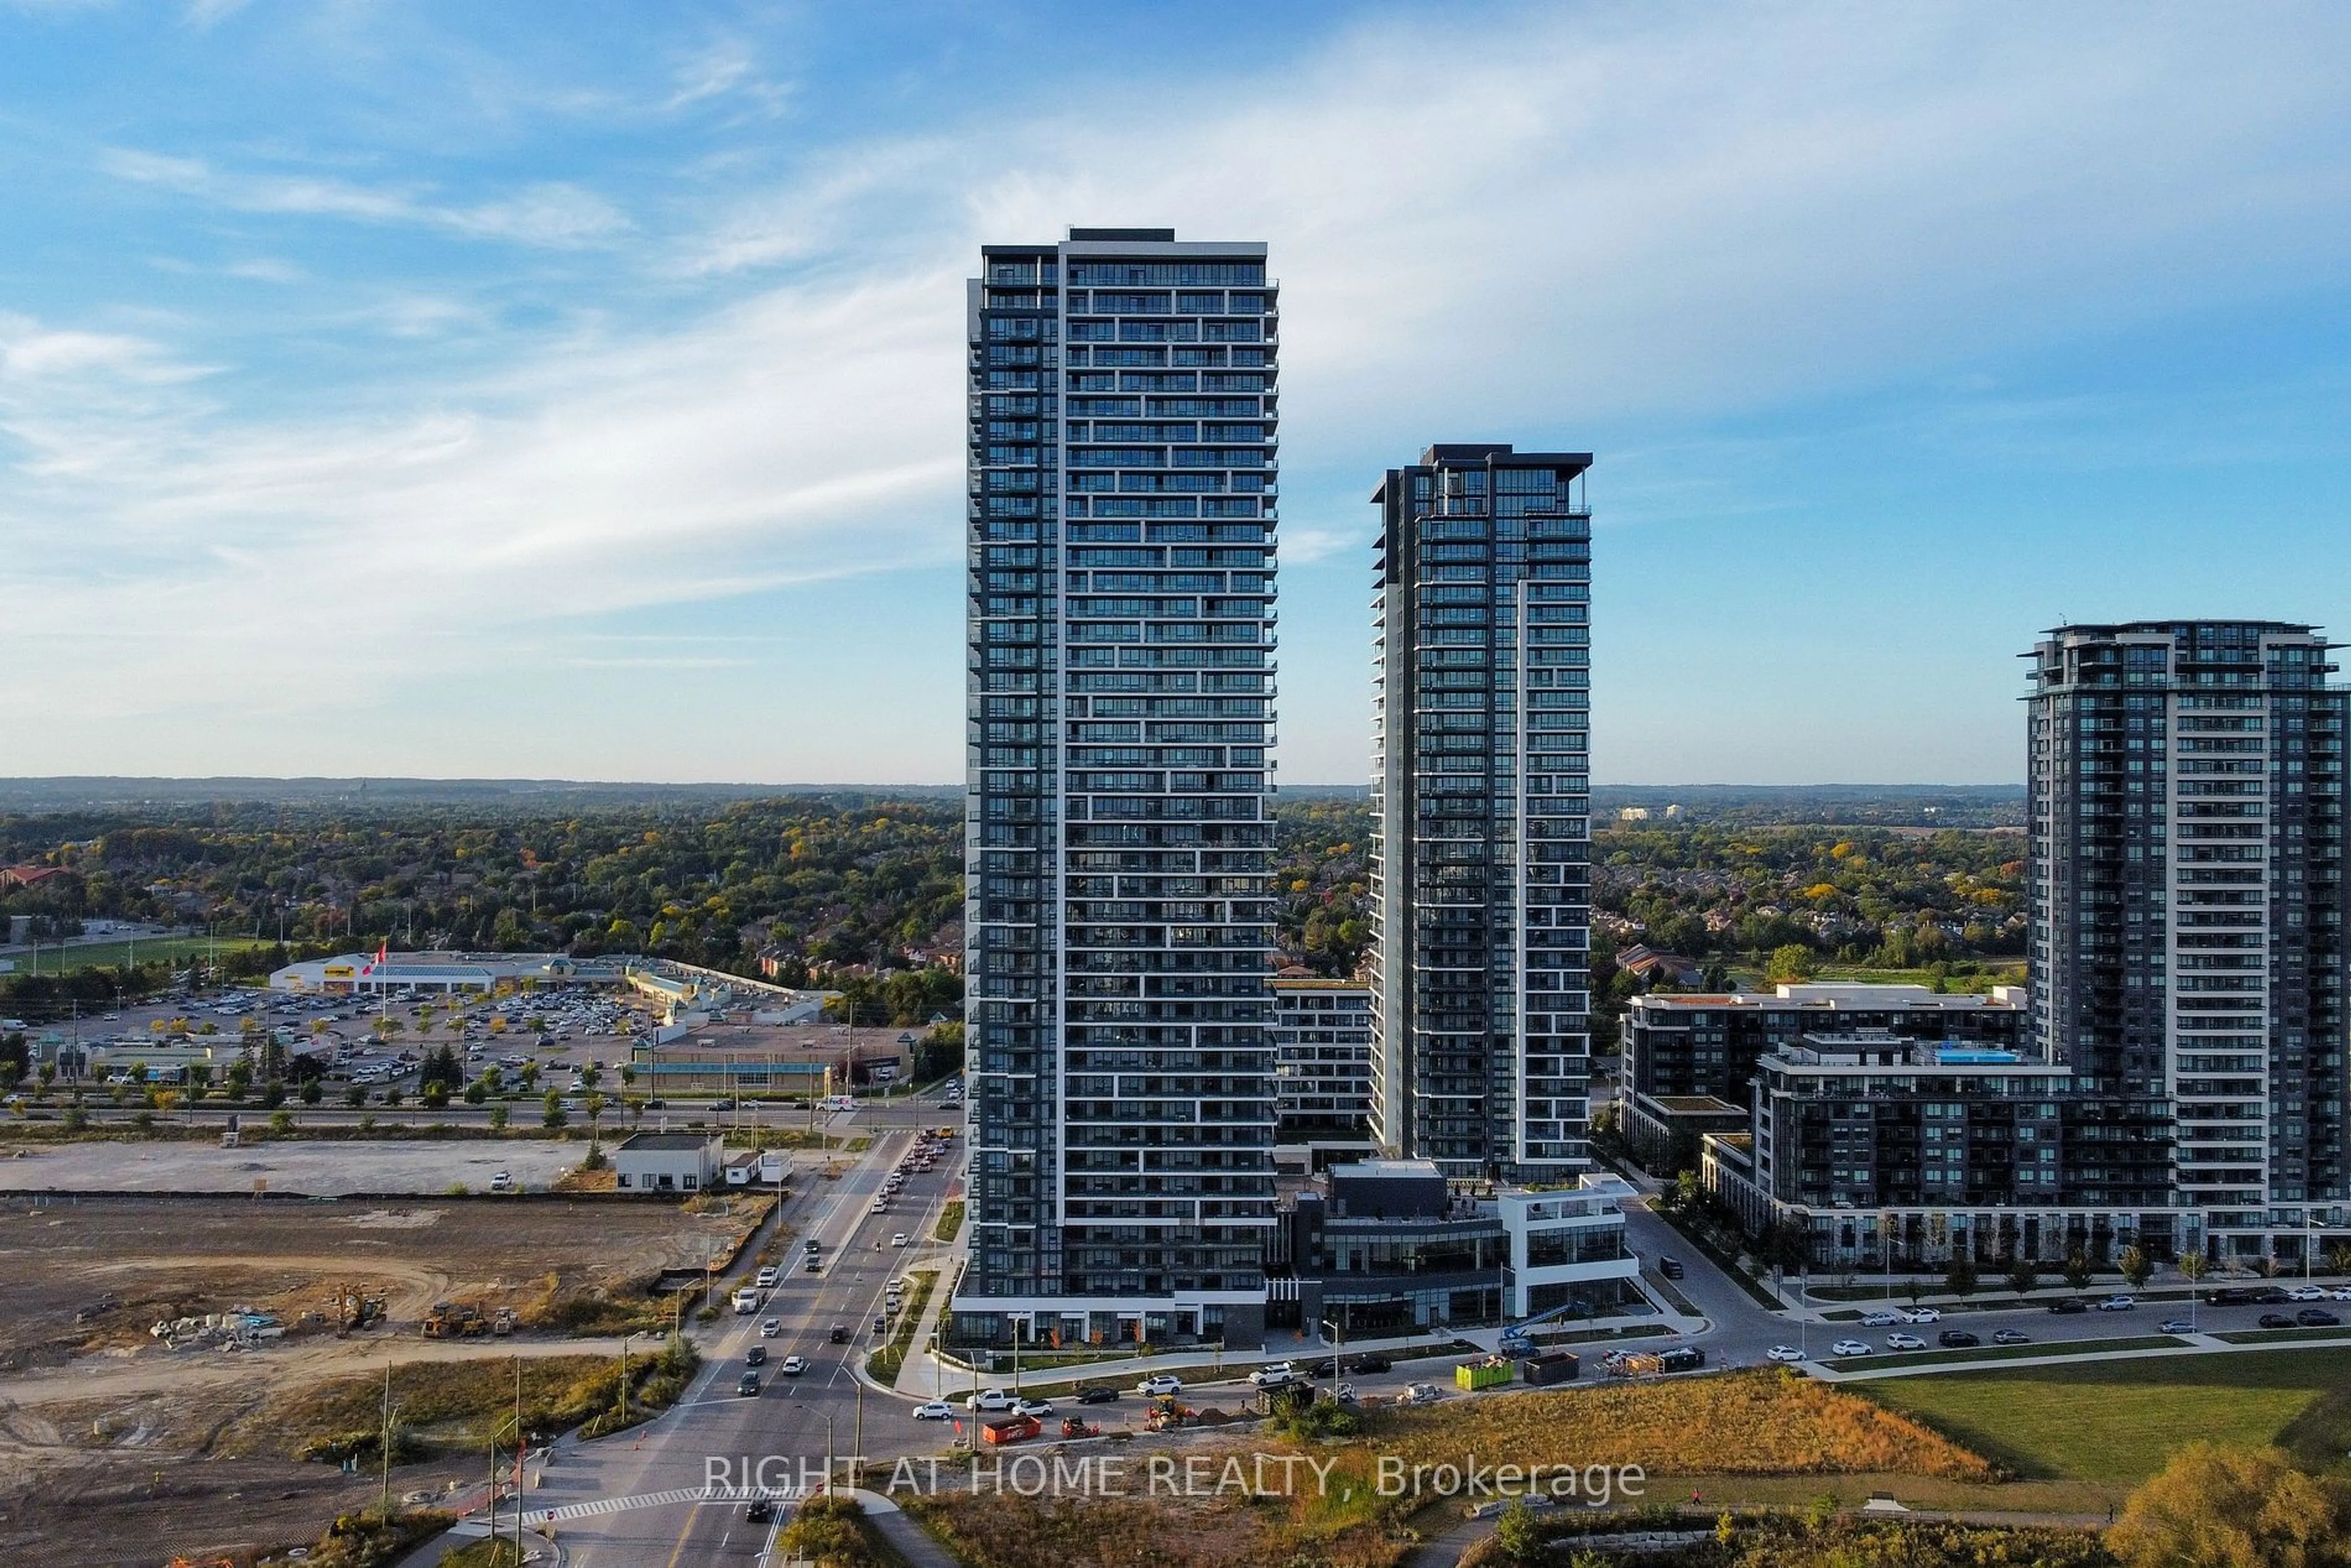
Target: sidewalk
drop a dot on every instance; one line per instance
(2190, 1344)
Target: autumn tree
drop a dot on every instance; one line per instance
(2214, 1507)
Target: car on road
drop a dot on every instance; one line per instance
(768, 1278)
(762, 1510)
(1880, 1319)
(2341, 1293)
(899, 1239)
(2278, 1321)
(2119, 1305)
(756, 1356)
(1784, 1353)
(815, 1265)
(1159, 1386)
(811, 1246)
(1922, 1316)
(770, 1328)
(2306, 1293)
(2063, 1305)
(1853, 1347)
(1364, 1366)
(1957, 1339)
(792, 1366)
(2011, 1337)
(2316, 1318)
(1098, 1395)
(2175, 1325)
(990, 1399)
(747, 1387)
(936, 1410)
(1671, 1268)
(1038, 1408)
(1905, 1342)
(1272, 1378)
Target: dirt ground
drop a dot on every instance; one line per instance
(116, 1448)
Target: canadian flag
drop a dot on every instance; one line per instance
(381, 953)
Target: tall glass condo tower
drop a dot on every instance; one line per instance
(1119, 922)
(1481, 863)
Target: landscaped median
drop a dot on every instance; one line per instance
(950, 1223)
(883, 1365)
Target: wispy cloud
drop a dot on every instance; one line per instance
(1579, 216)
(549, 212)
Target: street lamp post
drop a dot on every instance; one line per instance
(1338, 1343)
(624, 1375)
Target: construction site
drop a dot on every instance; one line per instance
(165, 1364)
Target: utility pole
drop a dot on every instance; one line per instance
(383, 1504)
(518, 1440)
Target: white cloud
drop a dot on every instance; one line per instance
(549, 212)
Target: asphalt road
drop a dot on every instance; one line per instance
(715, 1434)
(1743, 1329)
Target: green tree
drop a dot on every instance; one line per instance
(355, 1096)
(1518, 1534)
(1960, 1279)
(497, 1118)
(2024, 1274)
(1791, 961)
(2214, 1507)
(2136, 1267)
(553, 1115)
(2077, 1269)
(312, 1091)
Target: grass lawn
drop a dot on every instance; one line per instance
(2117, 1421)
(1965, 1357)
(113, 955)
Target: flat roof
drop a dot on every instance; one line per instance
(1695, 1105)
(651, 1141)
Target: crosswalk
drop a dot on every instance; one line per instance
(604, 1505)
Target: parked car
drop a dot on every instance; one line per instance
(1097, 1396)
(2063, 1305)
(1957, 1339)
(1784, 1353)
(1278, 1375)
(2278, 1321)
(1037, 1408)
(991, 1400)
(769, 1278)
(2011, 1337)
(2306, 1293)
(1157, 1386)
(936, 1410)
(2119, 1305)
(1671, 1268)
(1884, 1319)
(1905, 1342)
(2316, 1318)
(1852, 1347)
(1922, 1316)
(1367, 1365)
(2175, 1325)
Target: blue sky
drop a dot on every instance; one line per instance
(574, 390)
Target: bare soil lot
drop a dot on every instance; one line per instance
(115, 1448)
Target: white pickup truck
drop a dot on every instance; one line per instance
(747, 1302)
